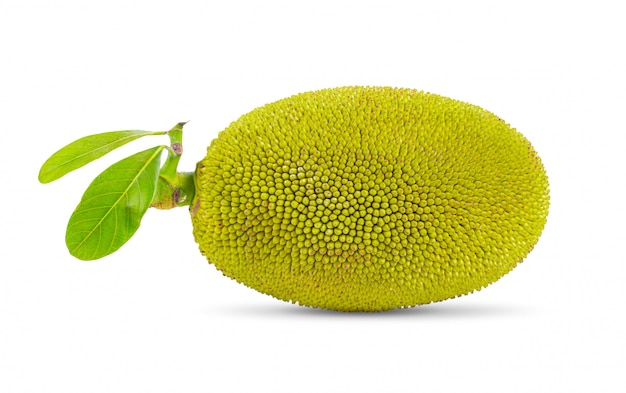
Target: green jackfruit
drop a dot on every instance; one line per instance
(368, 199)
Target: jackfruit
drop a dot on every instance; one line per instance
(368, 199)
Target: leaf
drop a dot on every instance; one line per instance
(111, 208)
(85, 150)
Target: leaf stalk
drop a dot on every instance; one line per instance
(174, 189)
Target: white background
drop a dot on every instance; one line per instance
(155, 317)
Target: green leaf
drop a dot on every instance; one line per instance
(111, 208)
(85, 150)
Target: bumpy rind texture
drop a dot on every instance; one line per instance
(368, 199)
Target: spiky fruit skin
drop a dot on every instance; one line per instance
(368, 199)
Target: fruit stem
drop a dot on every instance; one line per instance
(174, 189)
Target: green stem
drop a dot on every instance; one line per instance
(174, 189)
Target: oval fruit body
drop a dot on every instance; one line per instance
(368, 199)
